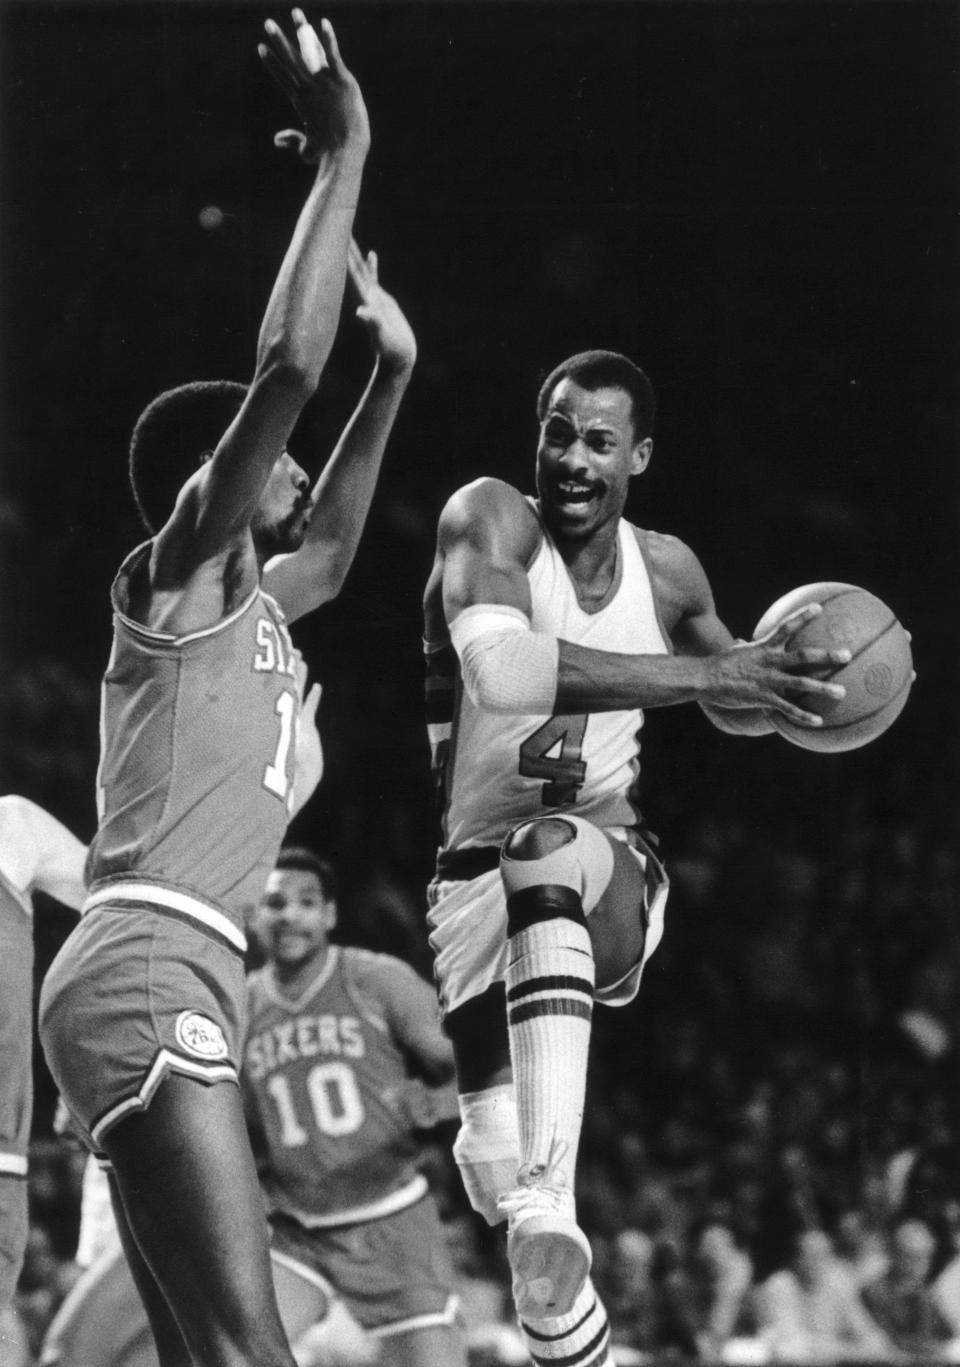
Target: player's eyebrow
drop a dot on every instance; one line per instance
(592, 425)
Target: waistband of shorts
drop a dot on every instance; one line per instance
(402, 1199)
(461, 865)
(136, 894)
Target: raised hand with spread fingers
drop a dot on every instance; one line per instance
(323, 92)
(390, 334)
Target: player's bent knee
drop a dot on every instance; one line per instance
(487, 1148)
(560, 852)
(535, 839)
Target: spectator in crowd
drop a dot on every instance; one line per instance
(901, 1300)
(946, 1283)
(702, 1297)
(723, 1276)
(860, 1247)
(810, 1311)
(628, 1289)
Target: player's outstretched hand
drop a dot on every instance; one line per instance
(308, 755)
(324, 93)
(390, 334)
(773, 675)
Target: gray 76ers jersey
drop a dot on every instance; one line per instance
(198, 749)
(493, 771)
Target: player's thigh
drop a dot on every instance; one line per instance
(302, 1300)
(189, 1188)
(13, 1232)
(437, 1345)
(617, 923)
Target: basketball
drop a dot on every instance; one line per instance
(877, 679)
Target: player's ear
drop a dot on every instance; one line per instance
(641, 456)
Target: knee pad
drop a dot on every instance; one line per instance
(487, 1147)
(584, 863)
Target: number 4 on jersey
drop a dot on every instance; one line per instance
(552, 752)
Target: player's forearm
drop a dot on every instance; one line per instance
(301, 318)
(345, 489)
(591, 680)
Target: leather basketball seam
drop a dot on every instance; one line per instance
(866, 646)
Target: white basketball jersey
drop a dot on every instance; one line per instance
(494, 771)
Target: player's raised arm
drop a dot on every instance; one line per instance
(302, 314)
(315, 573)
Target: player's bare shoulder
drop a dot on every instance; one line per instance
(679, 581)
(487, 533)
(488, 509)
(371, 971)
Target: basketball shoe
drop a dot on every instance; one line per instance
(548, 1252)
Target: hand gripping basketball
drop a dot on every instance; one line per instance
(877, 679)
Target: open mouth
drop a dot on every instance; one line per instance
(570, 493)
(289, 942)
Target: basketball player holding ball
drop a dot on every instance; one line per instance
(552, 623)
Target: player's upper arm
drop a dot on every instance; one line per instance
(410, 1008)
(697, 629)
(219, 501)
(486, 538)
(38, 853)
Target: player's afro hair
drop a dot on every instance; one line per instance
(171, 438)
(602, 370)
(305, 861)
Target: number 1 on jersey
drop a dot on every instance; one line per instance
(275, 778)
(552, 752)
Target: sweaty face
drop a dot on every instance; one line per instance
(587, 452)
(283, 513)
(294, 918)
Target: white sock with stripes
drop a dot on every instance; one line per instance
(549, 981)
(580, 1338)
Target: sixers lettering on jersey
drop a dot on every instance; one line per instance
(323, 1080)
(303, 1037)
(275, 650)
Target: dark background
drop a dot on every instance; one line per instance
(759, 202)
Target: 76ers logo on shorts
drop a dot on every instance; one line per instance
(200, 1036)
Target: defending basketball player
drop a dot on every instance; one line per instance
(551, 623)
(141, 1012)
